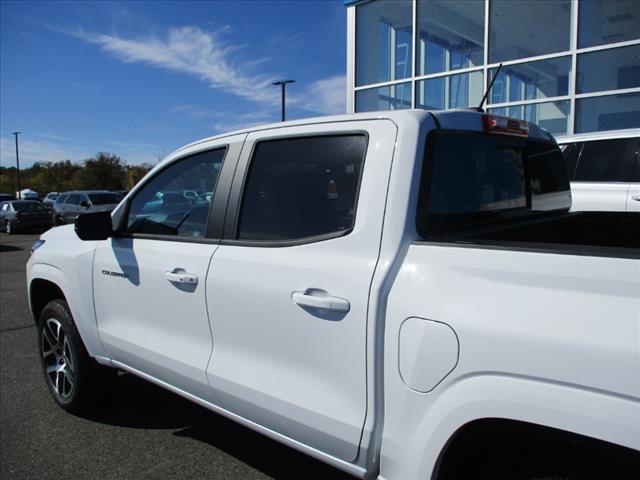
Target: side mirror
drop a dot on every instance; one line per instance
(94, 226)
(85, 204)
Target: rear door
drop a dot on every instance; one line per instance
(71, 207)
(603, 175)
(288, 287)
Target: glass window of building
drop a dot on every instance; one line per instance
(610, 69)
(551, 116)
(531, 80)
(450, 35)
(609, 112)
(528, 29)
(608, 21)
(391, 97)
(384, 47)
(452, 91)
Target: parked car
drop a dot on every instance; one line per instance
(49, 199)
(6, 196)
(22, 215)
(399, 294)
(69, 205)
(604, 169)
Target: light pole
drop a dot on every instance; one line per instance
(283, 83)
(15, 134)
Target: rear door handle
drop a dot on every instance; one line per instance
(320, 299)
(180, 275)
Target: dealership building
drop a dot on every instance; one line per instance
(572, 66)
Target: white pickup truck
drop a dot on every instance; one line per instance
(399, 294)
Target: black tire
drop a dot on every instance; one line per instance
(76, 382)
(59, 220)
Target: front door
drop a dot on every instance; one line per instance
(149, 280)
(288, 290)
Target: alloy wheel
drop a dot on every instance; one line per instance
(57, 359)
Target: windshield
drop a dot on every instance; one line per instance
(471, 178)
(27, 206)
(103, 198)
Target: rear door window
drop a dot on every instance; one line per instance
(299, 188)
(605, 161)
(73, 199)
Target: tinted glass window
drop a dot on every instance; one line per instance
(74, 199)
(604, 161)
(27, 206)
(383, 43)
(61, 198)
(103, 198)
(453, 91)
(450, 35)
(609, 112)
(4, 207)
(166, 205)
(570, 153)
(606, 21)
(611, 69)
(514, 28)
(473, 177)
(393, 97)
(302, 187)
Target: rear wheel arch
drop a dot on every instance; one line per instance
(507, 448)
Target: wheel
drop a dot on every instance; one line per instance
(59, 220)
(75, 380)
(8, 227)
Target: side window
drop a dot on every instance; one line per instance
(74, 199)
(636, 166)
(302, 187)
(570, 152)
(605, 161)
(176, 201)
(60, 200)
(5, 207)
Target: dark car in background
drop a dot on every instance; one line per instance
(6, 197)
(23, 214)
(69, 205)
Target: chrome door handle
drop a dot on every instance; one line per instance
(320, 299)
(179, 275)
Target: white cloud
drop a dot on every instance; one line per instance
(195, 52)
(199, 53)
(325, 96)
(37, 151)
(44, 150)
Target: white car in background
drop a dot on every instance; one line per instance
(604, 169)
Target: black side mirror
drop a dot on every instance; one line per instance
(85, 204)
(94, 226)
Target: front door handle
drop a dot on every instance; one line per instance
(180, 275)
(316, 298)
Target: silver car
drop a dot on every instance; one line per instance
(69, 205)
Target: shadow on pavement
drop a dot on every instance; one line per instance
(140, 404)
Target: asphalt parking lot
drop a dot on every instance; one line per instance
(145, 432)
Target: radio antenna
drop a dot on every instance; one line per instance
(486, 94)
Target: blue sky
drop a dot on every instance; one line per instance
(140, 79)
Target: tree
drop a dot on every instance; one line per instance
(105, 171)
